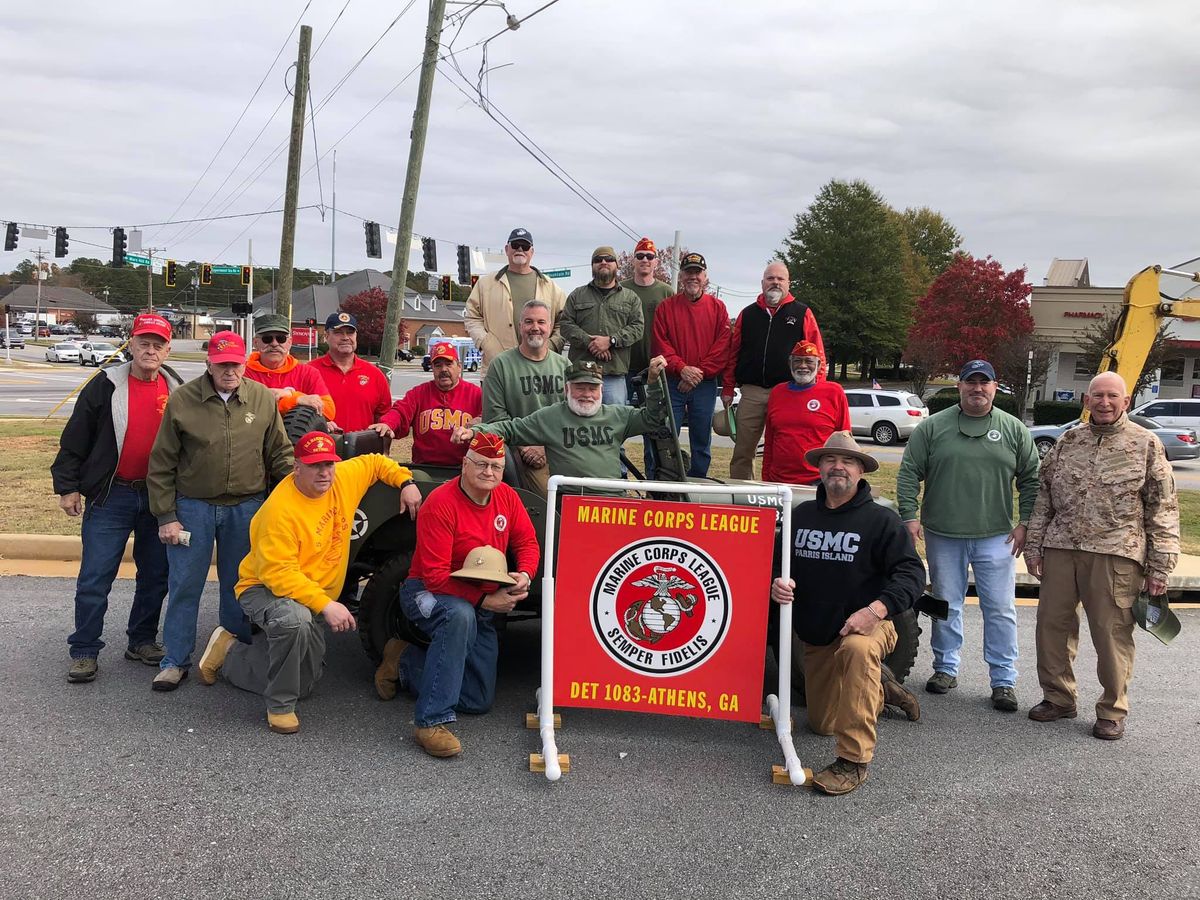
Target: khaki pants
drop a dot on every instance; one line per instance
(1106, 586)
(751, 420)
(845, 696)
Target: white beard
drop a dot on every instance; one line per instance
(535, 342)
(585, 408)
(773, 296)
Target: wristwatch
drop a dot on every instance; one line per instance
(613, 342)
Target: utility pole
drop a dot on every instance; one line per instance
(37, 310)
(149, 251)
(333, 228)
(675, 262)
(412, 180)
(245, 329)
(287, 242)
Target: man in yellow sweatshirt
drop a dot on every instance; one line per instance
(299, 547)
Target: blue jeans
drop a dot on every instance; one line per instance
(995, 571)
(697, 405)
(457, 672)
(229, 528)
(106, 528)
(614, 390)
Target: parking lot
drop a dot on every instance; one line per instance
(115, 790)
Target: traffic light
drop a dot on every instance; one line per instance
(241, 307)
(206, 274)
(119, 245)
(61, 242)
(11, 235)
(246, 271)
(464, 264)
(445, 288)
(374, 247)
(310, 322)
(429, 254)
(169, 272)
(474, 280)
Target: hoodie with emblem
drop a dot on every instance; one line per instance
(301, 379)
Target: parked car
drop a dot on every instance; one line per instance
(885, 416)
(1180, 443)
(43, 331)
(25, 328)
(99, 353)
(1183, 413)
(64, 352)
(109, 331)
(11, 338)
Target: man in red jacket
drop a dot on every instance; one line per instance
(691, 330)
(763, 336)
(273, 366)
(465, 528)
(432, 410)
(801, 415)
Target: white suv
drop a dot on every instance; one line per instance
(885, 416)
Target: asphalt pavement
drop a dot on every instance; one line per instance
(113, 790)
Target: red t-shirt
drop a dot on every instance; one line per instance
(431, 416)
(451, 525)
(147, 400)
(360, 396)
(799, 419)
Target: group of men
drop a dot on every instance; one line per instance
(189, 467)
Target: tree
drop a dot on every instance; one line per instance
(1102, 332)
(369, 307)
(934, 240)
(846, 259)
(85, 322)
(972, 310)
(1022, 364)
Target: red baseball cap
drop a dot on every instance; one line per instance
(149, 323)
(489, 445)
(443, 351)
(316, 447)
(226, 346)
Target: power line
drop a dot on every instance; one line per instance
(153, 224)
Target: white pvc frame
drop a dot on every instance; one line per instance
(779, 705)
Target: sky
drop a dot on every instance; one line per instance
(1039, 130)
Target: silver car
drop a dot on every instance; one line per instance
(64, 352)
(1180, 443)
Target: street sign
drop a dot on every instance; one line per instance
(134, 260)
(224, 270)
(557, 273)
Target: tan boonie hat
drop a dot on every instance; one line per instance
(485, 564)
(843, 443)
(724, 422)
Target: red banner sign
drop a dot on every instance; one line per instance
(662, 607)
(303, 336)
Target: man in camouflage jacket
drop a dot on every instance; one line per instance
(1105, 527)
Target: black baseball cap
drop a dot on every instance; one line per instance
(692, 261)
(520, 234)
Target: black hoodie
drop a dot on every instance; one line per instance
(844, 558)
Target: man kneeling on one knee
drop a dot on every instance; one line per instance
(456, 584)
(299, 548)
(859, 569)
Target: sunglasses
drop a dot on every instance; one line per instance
(643, 256)
(521, 245)
(603, 259)
(273, 338)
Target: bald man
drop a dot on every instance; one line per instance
(1107, 471)
(763, 336)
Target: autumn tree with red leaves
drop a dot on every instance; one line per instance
(369, 307)
(973, 310)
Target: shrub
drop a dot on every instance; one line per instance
(948, 397)
(1056, 412)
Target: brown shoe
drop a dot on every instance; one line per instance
(283, 723)
(896, 694)
(387, 676)
(1048, 712)
(214, 654)
(1109, 729)
(438, 741)
(841, 777)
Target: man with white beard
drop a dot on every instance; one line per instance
(582, 437)
(801, 415)
(763, 336)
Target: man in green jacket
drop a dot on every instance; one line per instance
(602, 321)
(219, 451)
(968, 456)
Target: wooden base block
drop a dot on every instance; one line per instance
(767, 723)
(533, 724)
(538, 764)
(779, 775)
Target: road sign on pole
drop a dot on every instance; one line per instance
(134, 260)
(557, 273)
(224, 270)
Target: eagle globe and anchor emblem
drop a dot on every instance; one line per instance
(657, 616)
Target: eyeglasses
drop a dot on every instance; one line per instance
(497, 467)
(520, 245)
(643, 256)
(603, 259)
(273, 338)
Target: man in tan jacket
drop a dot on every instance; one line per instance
(494, 307)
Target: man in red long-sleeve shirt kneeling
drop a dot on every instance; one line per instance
(456, 584)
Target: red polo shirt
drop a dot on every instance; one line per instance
(360, 396)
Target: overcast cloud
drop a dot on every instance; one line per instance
(1039, 129)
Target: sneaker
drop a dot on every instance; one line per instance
(896, 694)
(283, 723)
(1004, 699)
(83, 668)
(149, 653)
(941, 683)
(840, 778)
(214, 654)
(438, 741)
(387, 676)
(168, 679)
(1049, 712)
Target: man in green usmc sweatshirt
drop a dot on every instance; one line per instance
(582, 436)
(968, 456)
